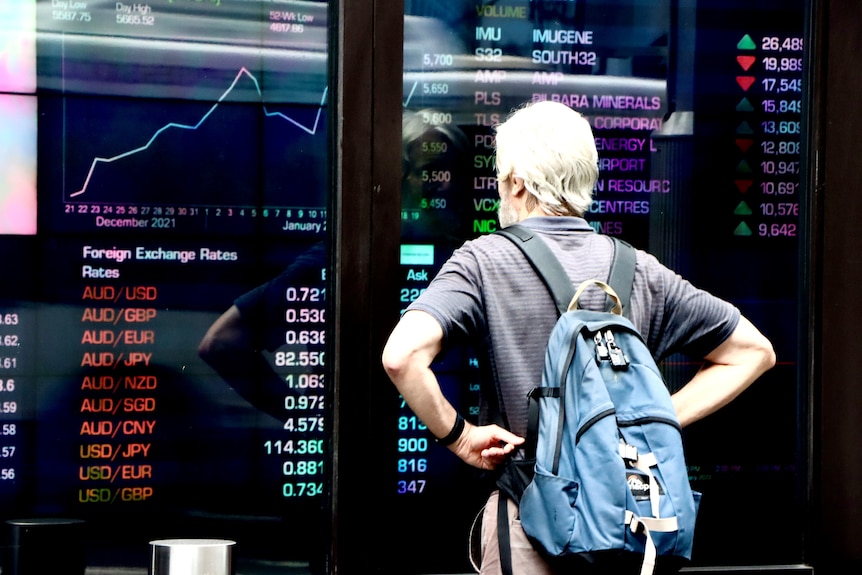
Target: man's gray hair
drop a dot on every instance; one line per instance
(552, 148)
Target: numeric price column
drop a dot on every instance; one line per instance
(14, 397)
(302, 363)
(421, 465)
(769, 136)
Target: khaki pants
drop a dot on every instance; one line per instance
(525, 559)
(485, 551)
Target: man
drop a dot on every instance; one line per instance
(487, 293)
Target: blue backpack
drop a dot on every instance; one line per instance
(604, 473)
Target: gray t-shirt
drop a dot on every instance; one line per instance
(487, 294)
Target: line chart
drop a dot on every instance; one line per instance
(309, 129)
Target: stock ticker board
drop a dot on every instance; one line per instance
(696, 108)
(161, 162)
(164, 162)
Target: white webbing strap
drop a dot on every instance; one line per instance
(647, 525)
(643, 462)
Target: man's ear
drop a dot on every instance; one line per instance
(518, 186)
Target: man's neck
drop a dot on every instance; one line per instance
(534, 213)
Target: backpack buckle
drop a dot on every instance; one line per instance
(629, 453)
(616, 355)
(602, 353)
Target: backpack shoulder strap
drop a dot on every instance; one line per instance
(556, 279)
(544, 262)
(622, 275)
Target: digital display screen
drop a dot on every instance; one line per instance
(696, 109)
(165, 211)
(163, 309)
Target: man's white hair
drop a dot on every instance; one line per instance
(552, 148)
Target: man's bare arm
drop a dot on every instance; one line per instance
(407, 357)
(730, 369)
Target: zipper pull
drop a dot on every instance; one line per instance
(602, 353)
(617, 357)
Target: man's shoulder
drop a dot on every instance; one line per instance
(482, 246)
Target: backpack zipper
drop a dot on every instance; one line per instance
(592, 421)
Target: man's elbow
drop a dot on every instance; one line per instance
(748, 346)
(393, 361)
(411, 346)
(758, 353)
(767, 355)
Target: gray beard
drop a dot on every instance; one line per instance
(506, 214)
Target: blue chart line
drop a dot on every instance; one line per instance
(410, 95)
(312, 130)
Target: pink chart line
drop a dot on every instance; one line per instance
(312, 130)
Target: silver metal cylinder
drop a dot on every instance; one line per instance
(191, 557)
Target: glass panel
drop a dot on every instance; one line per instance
(696, 111)
(163, 309)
